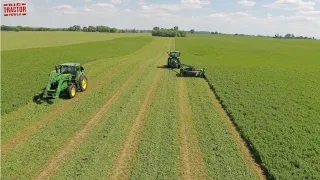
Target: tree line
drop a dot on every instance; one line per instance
(173, 32)
(73, 28)
(292, 36)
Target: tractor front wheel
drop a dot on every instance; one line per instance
(72, 91)
(83, 82)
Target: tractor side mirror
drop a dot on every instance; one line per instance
(81, 68)
(56, 69)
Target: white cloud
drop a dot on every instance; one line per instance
(87, 9)
(292, 5)
(62, 7)
(93, 8)
(116, 1)
(104, 5)
(230, 16)
(247, 3)
(305, 23)
(169, 10)
(128, 10)
(141, 2)
(194, 3)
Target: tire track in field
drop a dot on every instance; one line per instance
(122, 163)
(256, 168)
(192, 164)
(52, 165)
(29, 130)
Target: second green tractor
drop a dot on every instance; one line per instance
(174, 59)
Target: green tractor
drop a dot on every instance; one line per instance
(192, 71)
(174, 59)
(67, 77)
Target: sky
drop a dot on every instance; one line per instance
(255, 17)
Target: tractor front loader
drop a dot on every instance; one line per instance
(68, 78)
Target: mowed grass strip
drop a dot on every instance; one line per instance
(191, 160)
(94, 158)
(157, 154)
(222, 155)
(25, 72)
(35, 116)
(36, 39)
(51, 137)
(122, 164)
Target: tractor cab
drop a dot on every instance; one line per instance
(174, 59)
(174, 54)
(74, 69)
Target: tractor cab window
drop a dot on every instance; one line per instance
(67, 70)
(174, 54)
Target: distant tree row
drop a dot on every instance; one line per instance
(291, 36)
(192, 31)
(173, 32)
(73, 28)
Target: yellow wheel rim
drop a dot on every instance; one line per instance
(84, 83)
(73, 91)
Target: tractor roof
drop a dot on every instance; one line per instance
(174, 51)
(70, 64)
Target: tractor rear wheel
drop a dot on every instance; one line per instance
(72, 91)
(83, 82)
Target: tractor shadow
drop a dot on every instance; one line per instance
(39, 99)
(163, 67)
(170, 69)
(186, 76)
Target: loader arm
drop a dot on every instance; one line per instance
(57, 83)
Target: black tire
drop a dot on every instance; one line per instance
(72, 91)
(181, 72)
(83, 82)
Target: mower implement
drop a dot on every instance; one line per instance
(174, 59)
(67, 77)
(191, 71)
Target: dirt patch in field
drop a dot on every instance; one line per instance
(28, 131)
(54, 162)
(122, 163)
(242, 144)
(192, 164)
